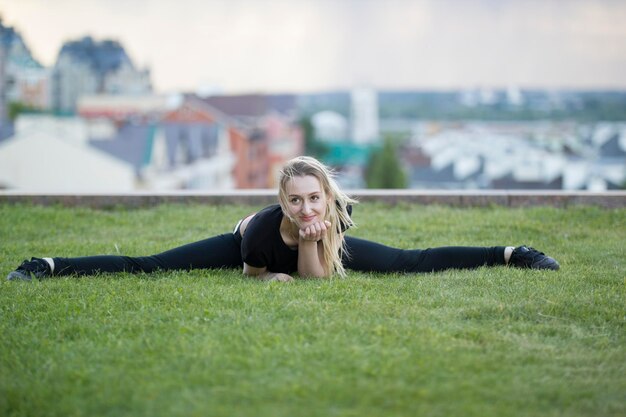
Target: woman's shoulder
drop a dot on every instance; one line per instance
(262, 229)
(266, 218)
(270, 211)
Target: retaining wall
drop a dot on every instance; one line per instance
(609, 199)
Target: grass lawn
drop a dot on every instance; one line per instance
(485, 342)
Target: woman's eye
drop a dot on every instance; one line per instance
(315, 198)
(295, 200)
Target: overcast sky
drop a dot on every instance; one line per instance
(311, 45)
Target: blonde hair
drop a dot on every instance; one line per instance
(336, 211)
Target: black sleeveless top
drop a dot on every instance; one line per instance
(263, 246)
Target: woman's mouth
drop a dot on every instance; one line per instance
(307, 219)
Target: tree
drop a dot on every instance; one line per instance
(384, 169)
(16, 108)
(313, 147)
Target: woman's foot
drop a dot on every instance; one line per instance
(36, 267)
(527, 257)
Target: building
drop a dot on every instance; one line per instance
(51, 154)
(198, 145)
(330, 126)
(184, 146)
(122, 108)
(251, 152)
(275, 137)
(88, 67)
(518, 155)
(24, 80)
(172, 142)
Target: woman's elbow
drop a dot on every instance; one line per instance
(252, 271)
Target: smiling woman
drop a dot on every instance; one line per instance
(304, 234)
(298, 234)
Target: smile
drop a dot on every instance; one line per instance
(307, 218)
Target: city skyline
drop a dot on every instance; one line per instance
(307, 45)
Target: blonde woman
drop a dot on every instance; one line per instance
(303, 234)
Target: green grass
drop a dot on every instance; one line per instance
(485, 342)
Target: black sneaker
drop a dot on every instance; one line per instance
(527, 257)
(36, 267)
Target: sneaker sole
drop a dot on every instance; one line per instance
(18, 276)
(547, 264)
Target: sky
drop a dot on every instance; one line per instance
(272, 46)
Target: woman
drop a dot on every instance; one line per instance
(303, 234)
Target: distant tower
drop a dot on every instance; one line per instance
(364, 114)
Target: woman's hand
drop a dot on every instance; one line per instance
(314, 232)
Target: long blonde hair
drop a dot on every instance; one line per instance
(336, 210)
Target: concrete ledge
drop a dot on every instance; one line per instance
(610, 199)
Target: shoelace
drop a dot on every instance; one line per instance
(535, 251)
(534, 254)
(530, 255)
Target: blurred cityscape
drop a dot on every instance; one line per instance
(92, 123)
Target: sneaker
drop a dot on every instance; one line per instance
(527, 257)
(36, 267)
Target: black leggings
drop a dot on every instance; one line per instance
(224, 251)
(366, 256)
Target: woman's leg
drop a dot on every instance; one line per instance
(369, 256)
(223, 251)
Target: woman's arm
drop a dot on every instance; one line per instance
(264, 275)
(311, 250)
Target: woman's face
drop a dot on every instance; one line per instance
(306, 200)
